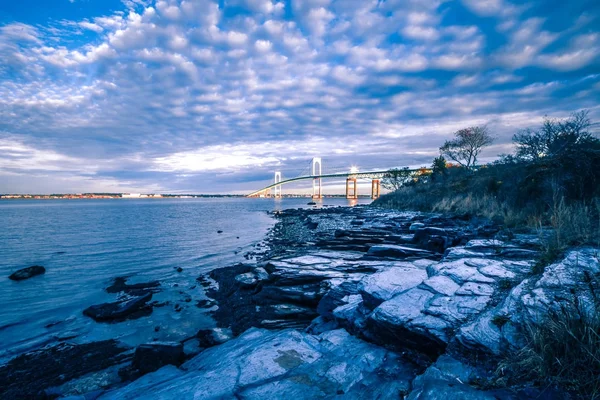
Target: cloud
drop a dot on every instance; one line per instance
(173, 93)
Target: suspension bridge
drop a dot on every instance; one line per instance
(315, 173)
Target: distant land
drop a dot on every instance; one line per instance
(133, 196)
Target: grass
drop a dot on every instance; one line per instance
(563, 351)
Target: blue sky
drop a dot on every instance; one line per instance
(211, 96)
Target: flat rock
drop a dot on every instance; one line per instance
(273, 365)
(395, 251)
(384, 285)
(441, 284)
(121, 310)
(27, 273)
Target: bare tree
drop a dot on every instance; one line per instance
(394, 179)
(467, 145)
(554, 137)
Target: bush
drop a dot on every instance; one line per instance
(552, 180)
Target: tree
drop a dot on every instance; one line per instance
(395, 178)
(467, 145)
(438, 168)
(554, 138)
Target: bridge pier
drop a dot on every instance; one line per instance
(375, 188)
(351, 188)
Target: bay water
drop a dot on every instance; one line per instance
(85, 244)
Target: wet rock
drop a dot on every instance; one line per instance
(29, 375)
(151, 357)
(120, 285)
(213, 337)
(128, 308)
(27, 273)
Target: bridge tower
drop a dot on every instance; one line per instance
(351, 188)
(375, 188)
(277, 189)
(317, 181)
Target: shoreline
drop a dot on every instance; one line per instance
(419, 288)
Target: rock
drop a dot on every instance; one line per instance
(27, 273)
(213, 337)
(28, 375)
(179, 269)
(287, 364)
(401, 323)
(129, 308)
(416, 226)
(441, 284)
(384, 285)
(120, 285)
(219, 231)
(447, 379)
(151, 357)
(433, 239)
(395, 251)
(247, 280)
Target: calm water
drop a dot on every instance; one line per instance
(85, 243)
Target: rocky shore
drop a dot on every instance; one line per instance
(357, 303)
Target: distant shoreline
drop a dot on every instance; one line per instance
(161, 196)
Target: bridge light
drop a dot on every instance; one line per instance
(353, 170)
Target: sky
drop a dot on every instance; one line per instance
(207, 96)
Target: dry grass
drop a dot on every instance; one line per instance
(571, 225)
(564, 352)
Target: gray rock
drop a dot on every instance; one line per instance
(272, 365)
(441, 284)
(447, 379)
(386, 284)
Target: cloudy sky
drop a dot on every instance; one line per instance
(210, 96)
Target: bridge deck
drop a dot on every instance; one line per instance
(367, 174)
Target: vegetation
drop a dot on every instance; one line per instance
(466, 145)
(551, 184)
(563, 350)
(394, 179)
(552, 181)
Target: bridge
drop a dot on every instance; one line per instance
(316, 175)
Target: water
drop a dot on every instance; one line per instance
(85, 243)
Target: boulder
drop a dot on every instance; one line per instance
(151, 357)
(129, 308)
(27, 273)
